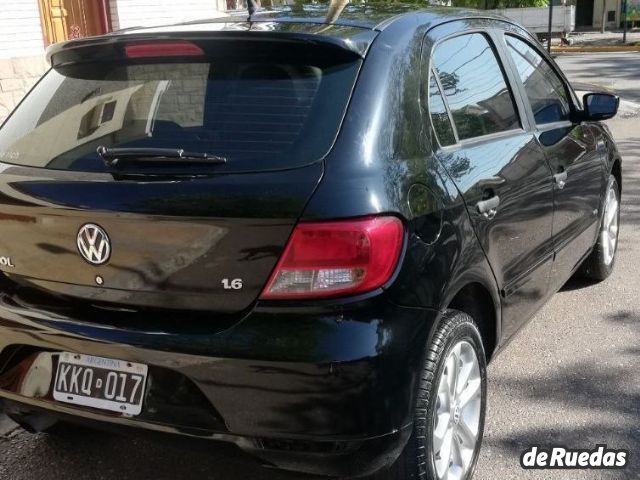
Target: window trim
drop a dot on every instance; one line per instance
(489, 34)
(436, 77)
(470, 142)
(571, 96)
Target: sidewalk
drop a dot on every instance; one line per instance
(595, 41)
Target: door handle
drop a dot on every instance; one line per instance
(487, 184)
(489, 207)
(560, 179)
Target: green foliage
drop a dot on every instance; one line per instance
(480, 4)
(499, 3)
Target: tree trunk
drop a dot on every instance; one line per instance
(335, 9)
(604, 16)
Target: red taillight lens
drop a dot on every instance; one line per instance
(163, 49)
(339, 258)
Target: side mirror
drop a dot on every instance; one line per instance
(600, 106)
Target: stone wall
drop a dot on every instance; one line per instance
(17, 76)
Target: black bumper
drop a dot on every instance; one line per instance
(290, 385)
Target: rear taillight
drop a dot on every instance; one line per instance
(328, 259)
(163, 49)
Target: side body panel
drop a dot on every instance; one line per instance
(573, 150)
(384, 161)
(578, 162)
(512, 167)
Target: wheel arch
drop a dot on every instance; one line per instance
(616, 171)
(476, 300)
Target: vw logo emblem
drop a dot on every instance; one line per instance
(93, 244)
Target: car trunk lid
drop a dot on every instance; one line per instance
(202, 244)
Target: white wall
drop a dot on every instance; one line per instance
(132, 13)
(615, 5)
(20, 30)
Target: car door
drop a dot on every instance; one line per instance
(498, 166)
(570, 149)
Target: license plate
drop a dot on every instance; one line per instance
(98, 382)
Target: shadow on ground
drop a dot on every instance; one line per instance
(92, 454)
(602, 390)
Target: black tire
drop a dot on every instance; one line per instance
(595, 267)
(416, 460)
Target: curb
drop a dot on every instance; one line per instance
(6, 426)
(604, 48)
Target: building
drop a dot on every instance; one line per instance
(27, 27)
(589, 13)
(612, 13)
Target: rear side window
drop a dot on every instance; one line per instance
(439, 115)
(545, 90)
(475, 86)
(259, 113)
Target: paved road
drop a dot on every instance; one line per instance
(571, 377)
(618, 71)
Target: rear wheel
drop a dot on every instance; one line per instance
(450, 407)
(599, 265)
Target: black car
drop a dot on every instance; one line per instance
(305, 232)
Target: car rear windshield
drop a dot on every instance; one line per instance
(260, 114)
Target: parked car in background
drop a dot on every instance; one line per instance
(301, 237)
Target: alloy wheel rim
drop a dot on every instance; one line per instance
(456, 422)
(609, 231)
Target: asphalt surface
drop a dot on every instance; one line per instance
(570, 378)
(618, 71)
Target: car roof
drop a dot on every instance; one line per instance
(371, 16)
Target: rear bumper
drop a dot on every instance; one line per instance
(290, 385)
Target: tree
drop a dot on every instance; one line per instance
(336, 6)
(603, 26)
(498, 3)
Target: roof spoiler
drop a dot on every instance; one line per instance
(225, 43)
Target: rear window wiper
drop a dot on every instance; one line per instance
(114, 157)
